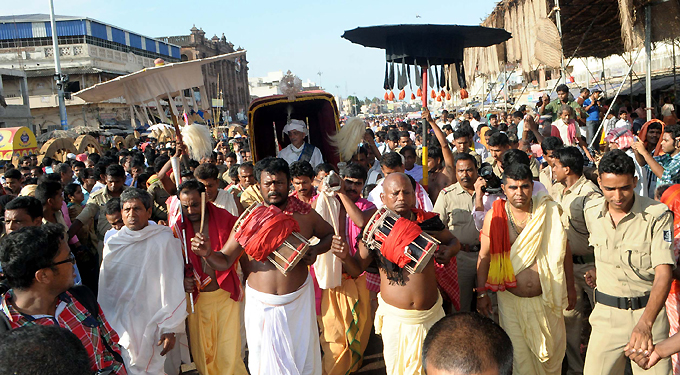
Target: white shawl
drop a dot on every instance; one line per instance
(141, 292)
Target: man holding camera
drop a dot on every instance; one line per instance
(455, 205)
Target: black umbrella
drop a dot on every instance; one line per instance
(425, 46)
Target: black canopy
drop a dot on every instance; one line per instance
(426, 44)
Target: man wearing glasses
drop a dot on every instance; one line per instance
(39, 269)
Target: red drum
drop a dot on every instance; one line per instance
(419, 251)
(289, 253)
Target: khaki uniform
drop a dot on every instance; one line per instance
(533, 165)
(160, 196)
(546, 178)
(642, 240)
(573, 200)
(454, 206)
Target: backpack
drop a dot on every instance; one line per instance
(83, 295)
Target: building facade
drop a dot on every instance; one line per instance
(90, 51)
(226, 82)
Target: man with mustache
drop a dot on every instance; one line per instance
(455, 205)
(525, 259)
(279, 314)
(302, 175)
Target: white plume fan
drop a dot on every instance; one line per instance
(348, 138)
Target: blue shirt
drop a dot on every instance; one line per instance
(593, 112)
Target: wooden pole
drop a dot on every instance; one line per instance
(202, 211)
(424, 125)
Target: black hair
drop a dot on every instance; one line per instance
(616, 162)
(654, 125)
(447, 127)
(233, 172)
(514, 156)
(518, 114)
(362, 150)
(354, 170)
(191, 185)
(404, 134)
(71, 189)
(276, 166)
(498, 139)
(460, 133)
(47, 189)
(408, 148)
(570, 157)
(27, 250)
(94, 157)
(326, 167)
(206, 171)
(435, 153)
(517, 172)
(159, 162)
(302, 168)
(493, 115)
(86, 174)
(231, 155)
(13, 173)
(393, 135)
(658, 193)
(31, 205)
(116, 171)
(47, 161)
(551, 144)
(674, 130)
(130, 194)
(112, 206)
(391, 160)
(78, 163)
(562, 88)
(465, 156)
(38, 349)
(467, 343)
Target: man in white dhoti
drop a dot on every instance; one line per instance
(298, 149)
(280, 319)
(141, 289)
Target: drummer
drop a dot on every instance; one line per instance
(298, 149)
(279, 310)
(407, 304)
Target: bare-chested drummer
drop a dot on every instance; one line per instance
(524, 256)
(280, 316)
(408, 304)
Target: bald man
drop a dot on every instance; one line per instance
(467, 344)
(408, 303)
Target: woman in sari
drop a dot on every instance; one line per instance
(671, 198)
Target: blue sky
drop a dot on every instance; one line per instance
(301, 36)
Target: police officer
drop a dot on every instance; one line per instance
(632, 238)
(567, 171)
(454, 205)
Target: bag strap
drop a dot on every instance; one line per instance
(307, 152)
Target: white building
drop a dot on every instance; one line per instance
(269, 85)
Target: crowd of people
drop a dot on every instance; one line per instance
(536, 218)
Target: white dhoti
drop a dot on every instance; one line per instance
(282, 333)
(403, 333)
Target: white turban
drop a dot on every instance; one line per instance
(298, 125)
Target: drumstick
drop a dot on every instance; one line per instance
(202, 210)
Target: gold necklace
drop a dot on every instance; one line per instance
(513, 219)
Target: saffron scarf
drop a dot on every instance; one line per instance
(671, 198)
(501, 273)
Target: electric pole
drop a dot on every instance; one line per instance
(61, 79)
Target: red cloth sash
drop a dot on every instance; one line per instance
(220, 223)
(403, 234)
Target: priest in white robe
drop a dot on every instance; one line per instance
(141, 290)
(298, 149)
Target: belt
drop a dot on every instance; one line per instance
(623, 303)
(583, 259)
(469, 248)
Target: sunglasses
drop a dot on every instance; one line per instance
(71, 259)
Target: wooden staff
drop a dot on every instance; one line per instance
(202, 210)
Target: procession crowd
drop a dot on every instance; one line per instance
(487, 261)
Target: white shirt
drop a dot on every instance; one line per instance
(292, 154)
(520, 129)
(481, 151)
(564, 131)
(622, 123)
(416, 172)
